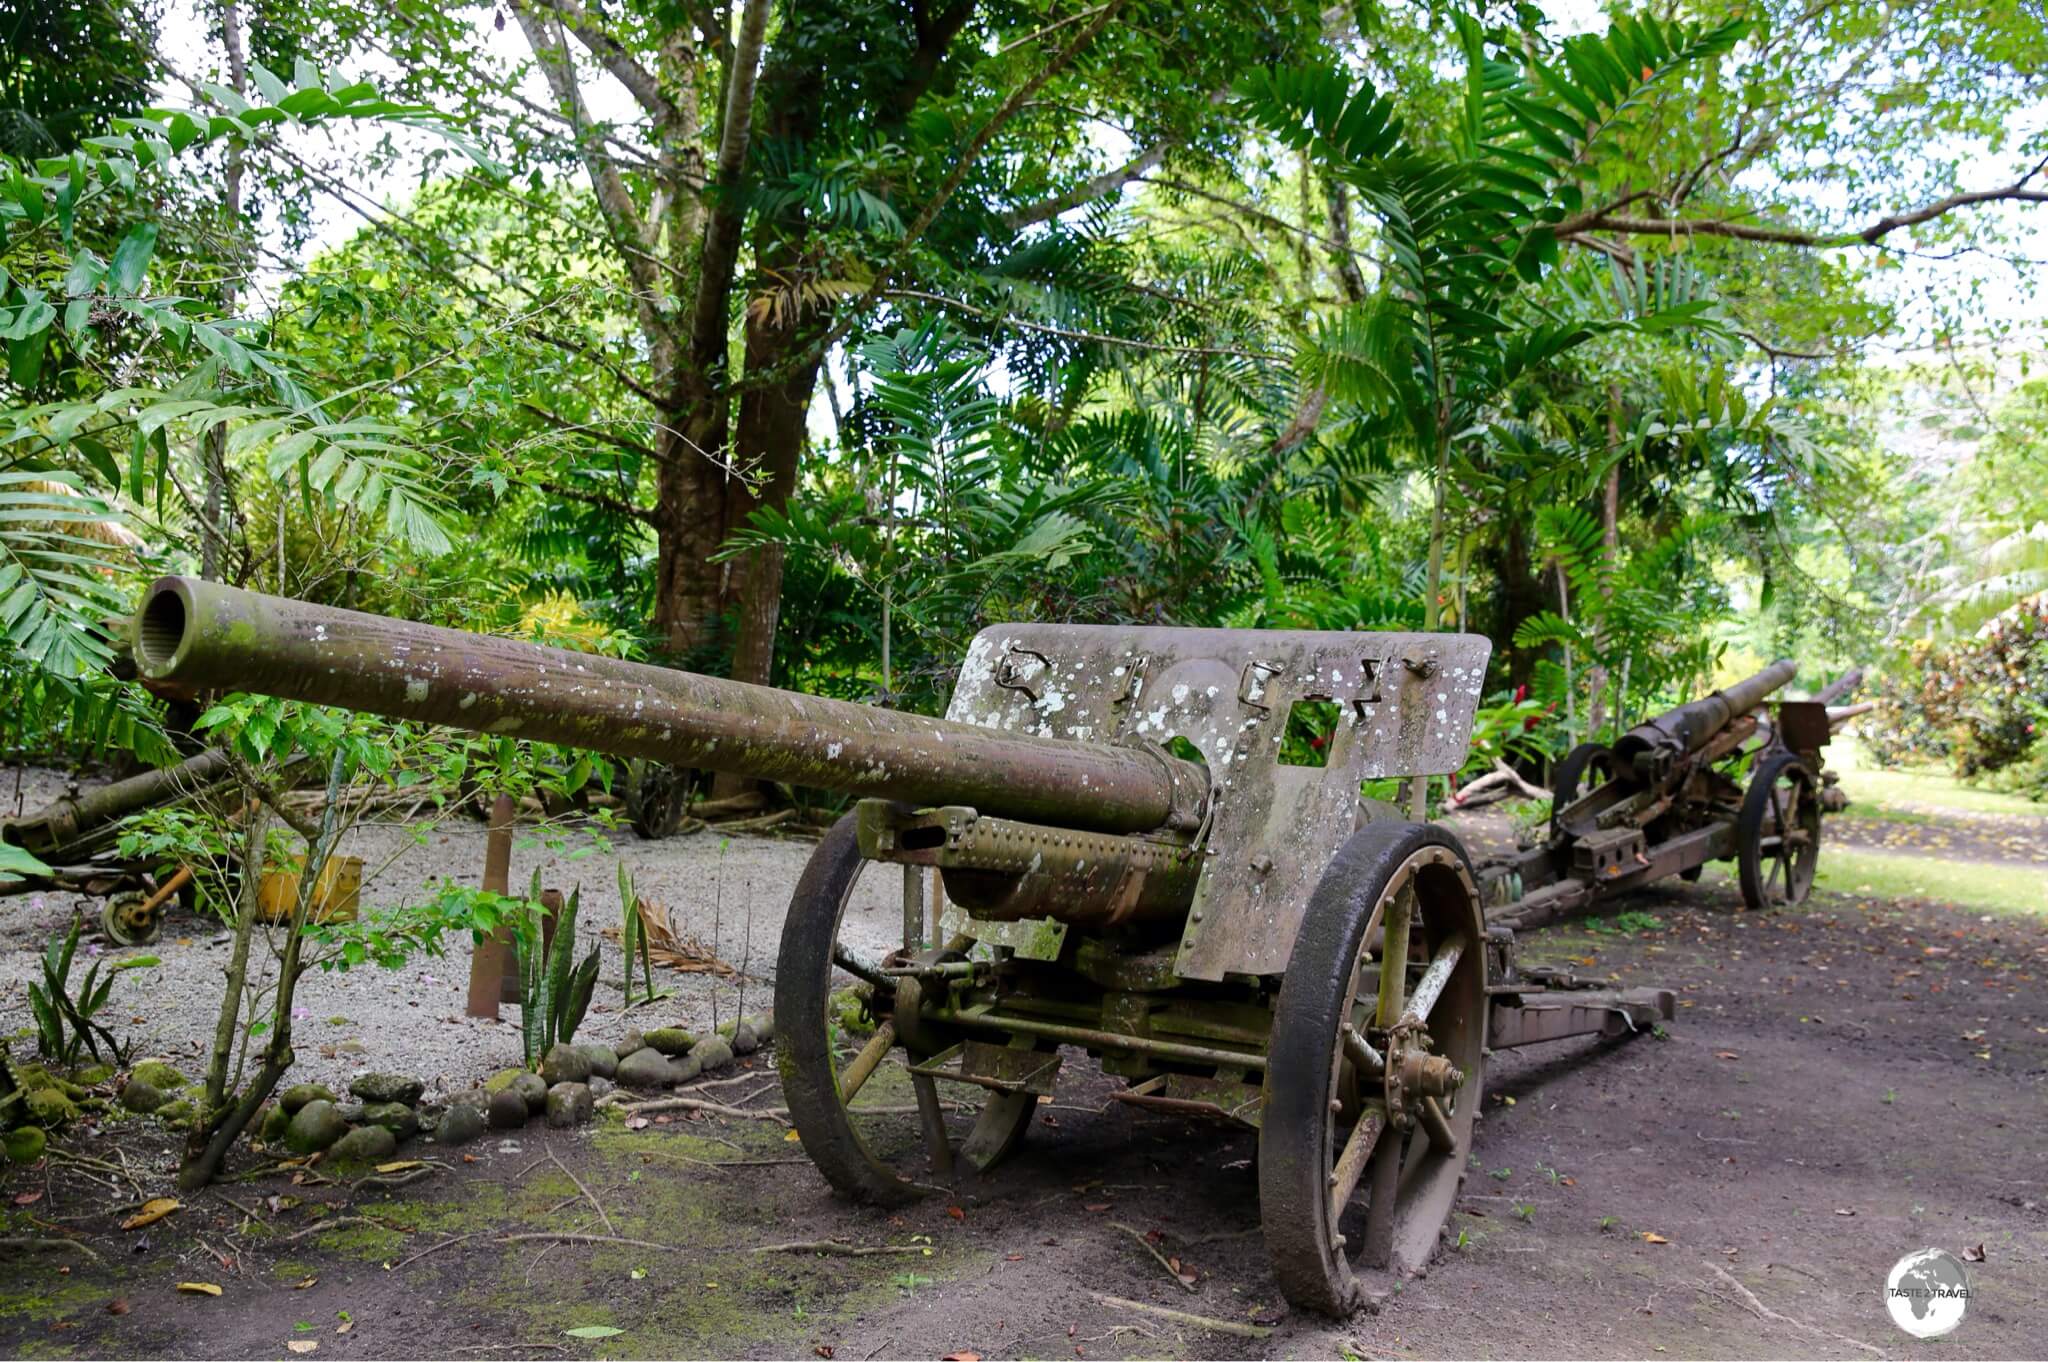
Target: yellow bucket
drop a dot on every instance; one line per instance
(334, 897)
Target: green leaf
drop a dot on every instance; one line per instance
(19, 863)
(592, 1331)
(273, 89)
(131, 258)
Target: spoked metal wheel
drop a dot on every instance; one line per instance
(1373, 1076)
(1581, 771)
(1777, 833)
(656, 797)
(844, 1025)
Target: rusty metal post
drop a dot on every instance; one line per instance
(490, 963)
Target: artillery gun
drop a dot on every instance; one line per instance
(1664, 800)
(1123, 860)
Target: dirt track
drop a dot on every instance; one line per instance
(1843, 1084)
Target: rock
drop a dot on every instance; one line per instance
(764, 1027)
(93, 1074)
(534, 1089)
(630, 1042)
(35, 1078)
(398, 1118)
(352, 1112)
(141, 1096)
(502, 1079)
(50, 1106)
(744, 1041)
(647, 1068)
(275, 1119)
(569, 1104)
(564, 1063)
(507, 1110)
(314, 1127)
(178, 1113)
(712, 1052)
(159, 1075)
(671, 1040)
(298, 1094)
(603, 1063)
(601, 1086)
(387, 1088)
(364, 1144)
(462, 1122)
(687, 1068)
(26, 1144)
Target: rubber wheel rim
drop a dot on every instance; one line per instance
(1298, 1138)
(810, 1073)
(1767, 878)
(655, 800)
(1571, 771)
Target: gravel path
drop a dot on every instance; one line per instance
(411, 1019)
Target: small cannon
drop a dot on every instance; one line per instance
(1661, 801)
(76, 835)
(1106, 845)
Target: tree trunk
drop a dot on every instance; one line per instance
(689, 525)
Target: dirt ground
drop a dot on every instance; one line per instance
(1843, 1084)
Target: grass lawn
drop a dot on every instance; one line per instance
(1876, 792)
(1967, 884)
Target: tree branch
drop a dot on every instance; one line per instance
(591, 353)
(633, 447)
(613, 56)
(722, 233)
(597, 499)
(622, 219)
(1603, 220)
(1089, 190)
(958, 176)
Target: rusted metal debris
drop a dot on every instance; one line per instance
(1111, 843)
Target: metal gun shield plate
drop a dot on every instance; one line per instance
(1405, 707)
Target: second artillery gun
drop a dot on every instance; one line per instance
(1720, 778)
(1129, 860)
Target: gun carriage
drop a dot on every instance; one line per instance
(1100, 848)
(1667, 797)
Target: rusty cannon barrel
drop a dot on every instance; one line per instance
(79, 824)
(202, 634)
(1652, 749)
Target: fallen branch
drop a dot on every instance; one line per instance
(1182, 1282)
(436, 1248)
(1762, 1311)
(768, 820)
(563, 1238)
(379, 1182)
(834, 1247)
(1221, 1326)
(602, 1214)
(334, 1223)
(776, 1114)
(31, 1245)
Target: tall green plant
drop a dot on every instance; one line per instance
(553, 996)
(1469, 230)
(64, 1019)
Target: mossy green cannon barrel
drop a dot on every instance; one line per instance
(205, 635)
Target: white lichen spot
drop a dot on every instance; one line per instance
(466, 701)
(832, 751)
(1180, 694)
(415, 689)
